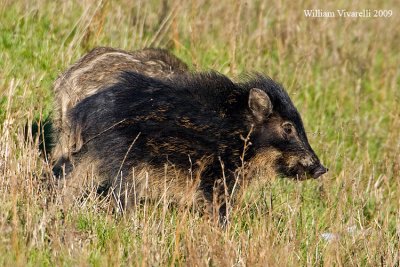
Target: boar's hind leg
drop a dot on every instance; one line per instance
(62, 167)
(77, 178)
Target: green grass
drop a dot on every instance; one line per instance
(342, 74)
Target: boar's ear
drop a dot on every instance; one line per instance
(259, 103)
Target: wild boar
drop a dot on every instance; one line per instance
(194, 137)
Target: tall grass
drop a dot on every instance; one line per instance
(343, 75)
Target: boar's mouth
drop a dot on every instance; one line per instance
(317, 171)
(313, 172)
(300, 172)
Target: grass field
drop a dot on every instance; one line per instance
(343, 74)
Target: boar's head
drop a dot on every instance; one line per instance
(278, 128)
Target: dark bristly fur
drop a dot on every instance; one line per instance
(194, 123)
(99, 69)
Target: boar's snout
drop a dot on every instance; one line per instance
(318, 170)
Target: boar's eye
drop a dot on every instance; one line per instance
(288, 128)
